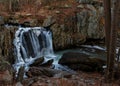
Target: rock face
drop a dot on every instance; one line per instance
(6, 75)
(80, 61)
(74, 22)
(78, 26)
(6, 42)
(6, 55)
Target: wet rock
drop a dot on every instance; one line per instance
(20, 74)
(73, 57)
(82, 67)
(38, 61)
(41, 71)
(80, 61)
(47, 64)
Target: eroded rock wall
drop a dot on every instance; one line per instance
(74, 22)
(84, 23)
(6, 42)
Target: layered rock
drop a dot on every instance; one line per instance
(6, 72)
(6, 42)
(78, 26)
(74, 22)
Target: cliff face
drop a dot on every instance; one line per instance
(74, 25)
(74, 22)
(6, 43)
(6, 55)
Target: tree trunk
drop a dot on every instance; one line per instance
(10, 5)
(111, 35)
(107, 9)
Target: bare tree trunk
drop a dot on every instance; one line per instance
(10, 5)
(107, 9)
(111, 43)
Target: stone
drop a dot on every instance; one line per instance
(20, 74)
(48, 21)
(81, 61)
(19, 84)
(47, 63)
(57, 12)
(41, 71)
(63, 74)
(80, 6)
(1, 20)
(73, 58)
(6, 72)
(6, 76)
(37, 62)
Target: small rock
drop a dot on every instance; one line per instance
(18, 84)
(57, 12)
(63, 75)
(1, 20)
(48, 81)
(37, 62)
(41, 71)
(48, 21)
(80, 6)
(48, 63)
(6, 76)
(67, 6)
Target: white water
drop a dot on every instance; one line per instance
(30, 44)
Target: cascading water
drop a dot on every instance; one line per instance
(30, 44)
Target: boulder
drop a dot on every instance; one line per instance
(41, 71)
(81, 61)
(73, 58)
(48, 72)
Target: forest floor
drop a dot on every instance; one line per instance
(79, 79)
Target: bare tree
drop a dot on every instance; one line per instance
(111, 35)
(107, 9)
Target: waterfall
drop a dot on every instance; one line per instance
(30, 44)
